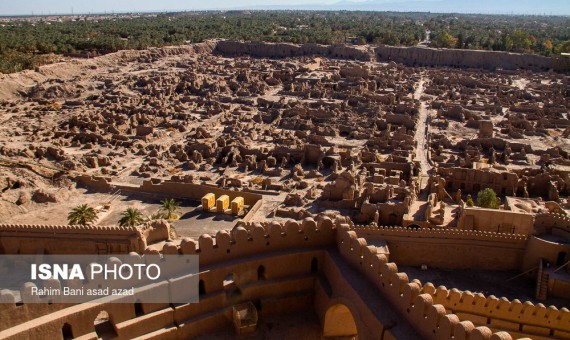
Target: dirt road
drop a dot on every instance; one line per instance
(422, 131)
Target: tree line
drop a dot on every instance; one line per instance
(27, 44)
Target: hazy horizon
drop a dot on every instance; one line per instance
(61, 7)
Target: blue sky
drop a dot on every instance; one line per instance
(39, 7)
(65, 6)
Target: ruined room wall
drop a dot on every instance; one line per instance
(471, 181)
(495, 220)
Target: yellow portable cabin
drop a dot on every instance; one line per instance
(237, 205)
(208, 201)
(222, 203)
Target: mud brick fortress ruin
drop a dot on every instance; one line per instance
(337, 182)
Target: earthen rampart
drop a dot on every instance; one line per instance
(69, 239)
(441, 313)
(449, 248)
(423, 56)
(287, 50)
(438, 313)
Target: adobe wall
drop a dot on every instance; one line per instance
(441, 313)
(389, 166)
(293, 247)
(415, 56)
(491, 60)
(66, 239)
(495, 220)
(552, 223)
(471, 181)
(241, 242)
(372, 315)
(156, 231)
(173, 189)
(228, 249)
(449, 249)
(287, 50)
(170, 188)
(188, 190)
(540, 247)
(288, 279)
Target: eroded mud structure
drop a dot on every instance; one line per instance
(333, 165)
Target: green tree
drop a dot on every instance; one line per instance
(156, 216)
(131, 218)
(170, 208)
(443, 39)
(82, 215)
(487, 198)
(469, 201)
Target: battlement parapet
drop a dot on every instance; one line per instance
(438, 232)
(255, 238)
(437, 312)
(73, 228)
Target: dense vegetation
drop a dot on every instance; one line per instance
(487, 198)
(25, 44)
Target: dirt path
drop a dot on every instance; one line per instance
(422, 132)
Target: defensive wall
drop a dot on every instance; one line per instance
(276, 281)
(414, 56)
(290, 267)
(491, 60)
(448, 248)
(439, 313)
(70, 239)
(285, 50)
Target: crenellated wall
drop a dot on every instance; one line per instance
(69, 239)
(441, 313)
(450, 248)
(301, 270)
(225, 248)
(240, 242)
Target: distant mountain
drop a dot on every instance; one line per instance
(544, 7)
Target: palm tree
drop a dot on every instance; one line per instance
(131, 218)
(170, 208)
(156, 216)
(82, 215)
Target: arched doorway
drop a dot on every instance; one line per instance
(139, 311)
(66, 331)
(339, 322)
